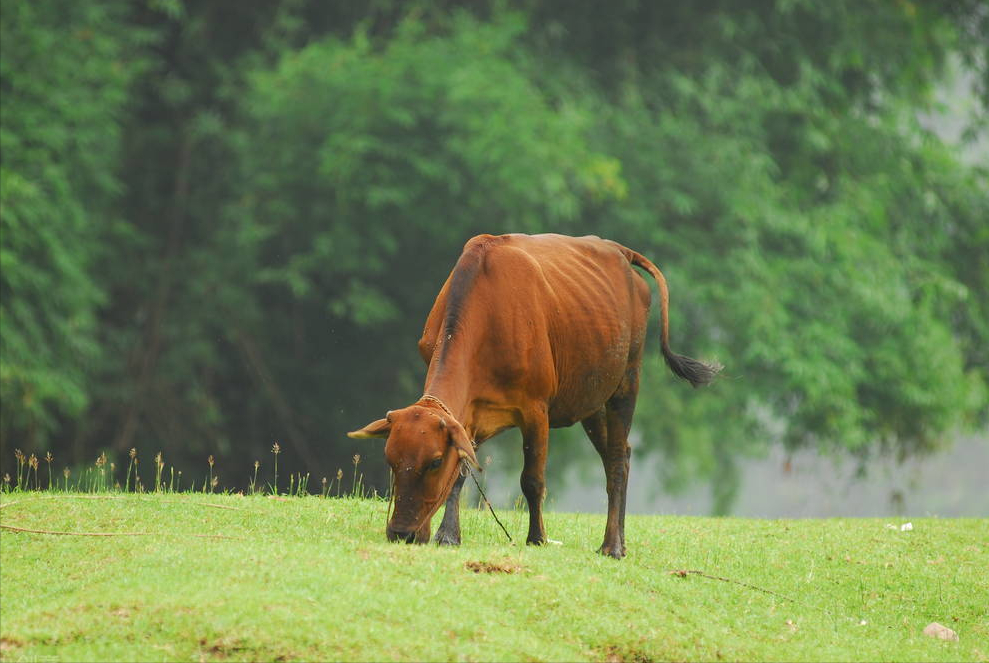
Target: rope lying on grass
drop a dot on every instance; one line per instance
(117, 497)
(45, 531)
(683, 573)
(834, 615)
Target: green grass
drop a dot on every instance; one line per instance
(311, 578)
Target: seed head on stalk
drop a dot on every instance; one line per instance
(276, 449)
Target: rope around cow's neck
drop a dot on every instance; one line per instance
(431, 398)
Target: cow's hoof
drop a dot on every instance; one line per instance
(447, 539)
(615, 552)
(535, 541)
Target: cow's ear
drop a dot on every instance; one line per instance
(379, 428)
(465, 448)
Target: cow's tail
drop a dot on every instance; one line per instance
(696, 372)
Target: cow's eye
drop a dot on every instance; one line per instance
(436, 462)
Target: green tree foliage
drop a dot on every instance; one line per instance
(65, 74)
(357, 202)
(297, 180)
(807, 222)
(169, 325)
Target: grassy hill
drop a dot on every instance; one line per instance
(224, 577)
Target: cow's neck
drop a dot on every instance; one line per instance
(448, 380)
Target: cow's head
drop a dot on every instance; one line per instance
(424, 447)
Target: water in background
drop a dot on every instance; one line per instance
(954, 483)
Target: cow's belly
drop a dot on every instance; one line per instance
(587, 381)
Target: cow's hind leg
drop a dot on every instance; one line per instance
(619, 410)
(449, 532)
(535, 444)
(596, 427)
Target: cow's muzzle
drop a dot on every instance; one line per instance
(408, 535)
(399, 535)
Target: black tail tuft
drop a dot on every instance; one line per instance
(697, 373)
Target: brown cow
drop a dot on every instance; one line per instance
(537, 332)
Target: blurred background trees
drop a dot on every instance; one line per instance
(223, 226)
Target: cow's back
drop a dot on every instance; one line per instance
(541, 318)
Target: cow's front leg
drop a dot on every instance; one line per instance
(449, 532)
(535, 444)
